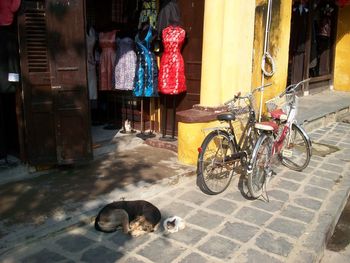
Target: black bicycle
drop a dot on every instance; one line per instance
(221, 152)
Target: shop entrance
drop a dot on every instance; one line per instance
(60, 111)
(311, 50)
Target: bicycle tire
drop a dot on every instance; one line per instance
(259, 165)
(296, 151)
(214, 172)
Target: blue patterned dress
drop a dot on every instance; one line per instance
(146, 79)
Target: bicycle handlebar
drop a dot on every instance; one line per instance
(291, 88)
(238, 95)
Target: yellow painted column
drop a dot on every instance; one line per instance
(212, 47)
(237, 48)
(342, 51)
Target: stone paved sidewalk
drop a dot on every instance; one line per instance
(292, 227)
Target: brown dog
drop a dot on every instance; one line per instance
(134, 217)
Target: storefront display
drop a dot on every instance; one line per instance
(146, 79)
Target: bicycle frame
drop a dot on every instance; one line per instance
(278, 144)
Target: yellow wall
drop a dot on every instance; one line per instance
(191, 136)
(278, 46)
(232, 50)
(342, 51)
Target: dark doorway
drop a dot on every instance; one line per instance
(311, 49)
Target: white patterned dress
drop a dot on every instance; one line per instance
(125, 65)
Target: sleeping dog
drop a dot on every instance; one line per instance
(134, 217)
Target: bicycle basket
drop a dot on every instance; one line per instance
(280, 103)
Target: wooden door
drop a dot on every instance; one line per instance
(53, 64)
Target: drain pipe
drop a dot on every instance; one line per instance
(266, 58)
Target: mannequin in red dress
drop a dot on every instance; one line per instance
(171, 78)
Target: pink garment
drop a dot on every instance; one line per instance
(107, 60)
(7, 10)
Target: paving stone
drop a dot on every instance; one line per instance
(304, 257)
(239, 231)
(255, 256)
(273, 244)
(195, 197)
(194, 257)
(298, 213)
(287, 185)
(176, 208)
(43, 255)
(127, 242)
(295, 176)
(278, 194)
(332, 168)
(271, 206)
(313, 163)
(235, 196)
(158, 247)
(188, 236)
(315, 241)
(344, 145)
(320, 182)
(326, 174)
(219, 247)
(288, 227)
(206, 220)
(74, 243)
(317, 158)
(329, 142)
(316, 192)
(133, 260)
(223, 206)
(336, 161)
(101, 254)
(308, 203)
(253, 215)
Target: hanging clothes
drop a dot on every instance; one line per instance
(125, 64)
(107, 59)
(146, 78)
(91, 65)
(148, 13)
(7, 11)
(169, 14)
(172, 71)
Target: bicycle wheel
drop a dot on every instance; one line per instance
(296, 150)
(259, 165)
(215, 170)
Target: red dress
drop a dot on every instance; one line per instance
(171, 78)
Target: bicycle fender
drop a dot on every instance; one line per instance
(305, 135)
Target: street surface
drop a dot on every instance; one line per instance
(292, 227)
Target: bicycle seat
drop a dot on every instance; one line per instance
(278, 114)
(227, 116)
(267, 126)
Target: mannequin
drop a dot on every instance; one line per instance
(146, 79)
(172, 79)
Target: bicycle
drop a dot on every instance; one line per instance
(280, 136)
(220, 152)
